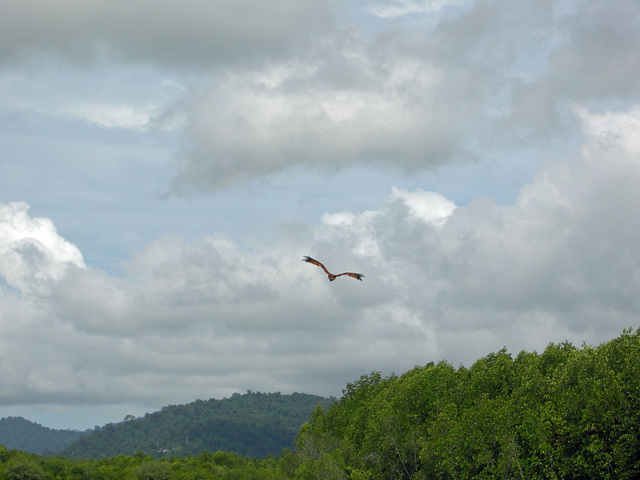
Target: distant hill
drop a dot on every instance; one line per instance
(253, 424)
(17, 433)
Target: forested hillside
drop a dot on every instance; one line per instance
(253, 424)
(568, 413)
(20, 434)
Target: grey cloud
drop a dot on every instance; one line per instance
(175, 286)
(564, 252)
(492, 76)
(564, 256)
(167, 32)
(601, 54)
(309, 113)
(413, 96)
(591, 59)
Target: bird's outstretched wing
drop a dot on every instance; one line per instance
(315, 262)
(358, 276)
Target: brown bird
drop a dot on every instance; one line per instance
(332, 277)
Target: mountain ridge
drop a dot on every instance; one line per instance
(18, 433)
(254, 424)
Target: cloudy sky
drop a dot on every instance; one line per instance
(166, 164)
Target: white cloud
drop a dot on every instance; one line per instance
(252, 124)
(427, 206)
(109, 116)
(32, 254)
(613, 128)
(400, 8)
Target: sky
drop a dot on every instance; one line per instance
(165, 165)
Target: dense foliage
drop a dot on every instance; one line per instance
(21, 434)
(17, 465)
(568, 413)
(253, 424)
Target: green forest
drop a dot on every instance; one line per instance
(566, 413)
(18, 465)
(20, 434)
(253, 424)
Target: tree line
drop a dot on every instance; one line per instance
(566, 413)
(19, 465)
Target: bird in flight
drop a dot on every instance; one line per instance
(332, 277)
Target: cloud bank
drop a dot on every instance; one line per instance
(206, 318)
(485, 76)
(186, 33)
(284, 85)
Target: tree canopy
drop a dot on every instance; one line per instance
(567, 413)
